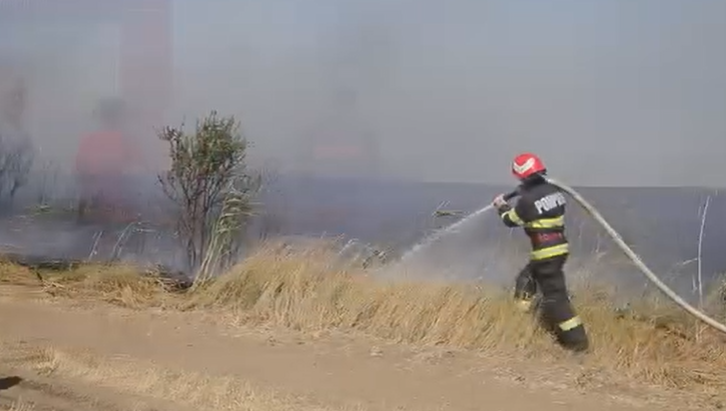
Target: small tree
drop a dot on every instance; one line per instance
(209, 181)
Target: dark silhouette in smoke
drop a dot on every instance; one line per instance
(16, 148)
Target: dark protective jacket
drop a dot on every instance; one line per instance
(540, 210)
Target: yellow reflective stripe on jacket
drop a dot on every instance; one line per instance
(546, 223)
(570, 324)
(513, 216)
(550, 252)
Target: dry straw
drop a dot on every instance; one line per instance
(306, 289)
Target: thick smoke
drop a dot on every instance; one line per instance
(610, 93)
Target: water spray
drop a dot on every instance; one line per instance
(428, 241)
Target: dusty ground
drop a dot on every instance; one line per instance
(61, 355)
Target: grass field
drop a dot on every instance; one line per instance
(303, 290)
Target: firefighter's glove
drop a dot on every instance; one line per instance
(499, 202)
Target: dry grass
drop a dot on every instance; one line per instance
(303, 290)
(145, 379)
(20, 406)
(117, 284)
(14, 274)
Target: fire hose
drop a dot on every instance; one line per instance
(635, 258)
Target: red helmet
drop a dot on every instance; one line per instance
(526, 165)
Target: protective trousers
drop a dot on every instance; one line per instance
(556, 311)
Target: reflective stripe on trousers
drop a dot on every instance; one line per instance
(570, 324)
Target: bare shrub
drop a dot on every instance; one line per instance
(211, 186)
(16, 160)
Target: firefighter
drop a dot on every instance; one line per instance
(106, 162)
(540, 212)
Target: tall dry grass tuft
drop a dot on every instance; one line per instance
(308, 289)
(305, 290)
(117, 284)
(11, 273)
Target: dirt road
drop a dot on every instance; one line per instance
(59, 355)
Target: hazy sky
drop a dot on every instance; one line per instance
(610, 92)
